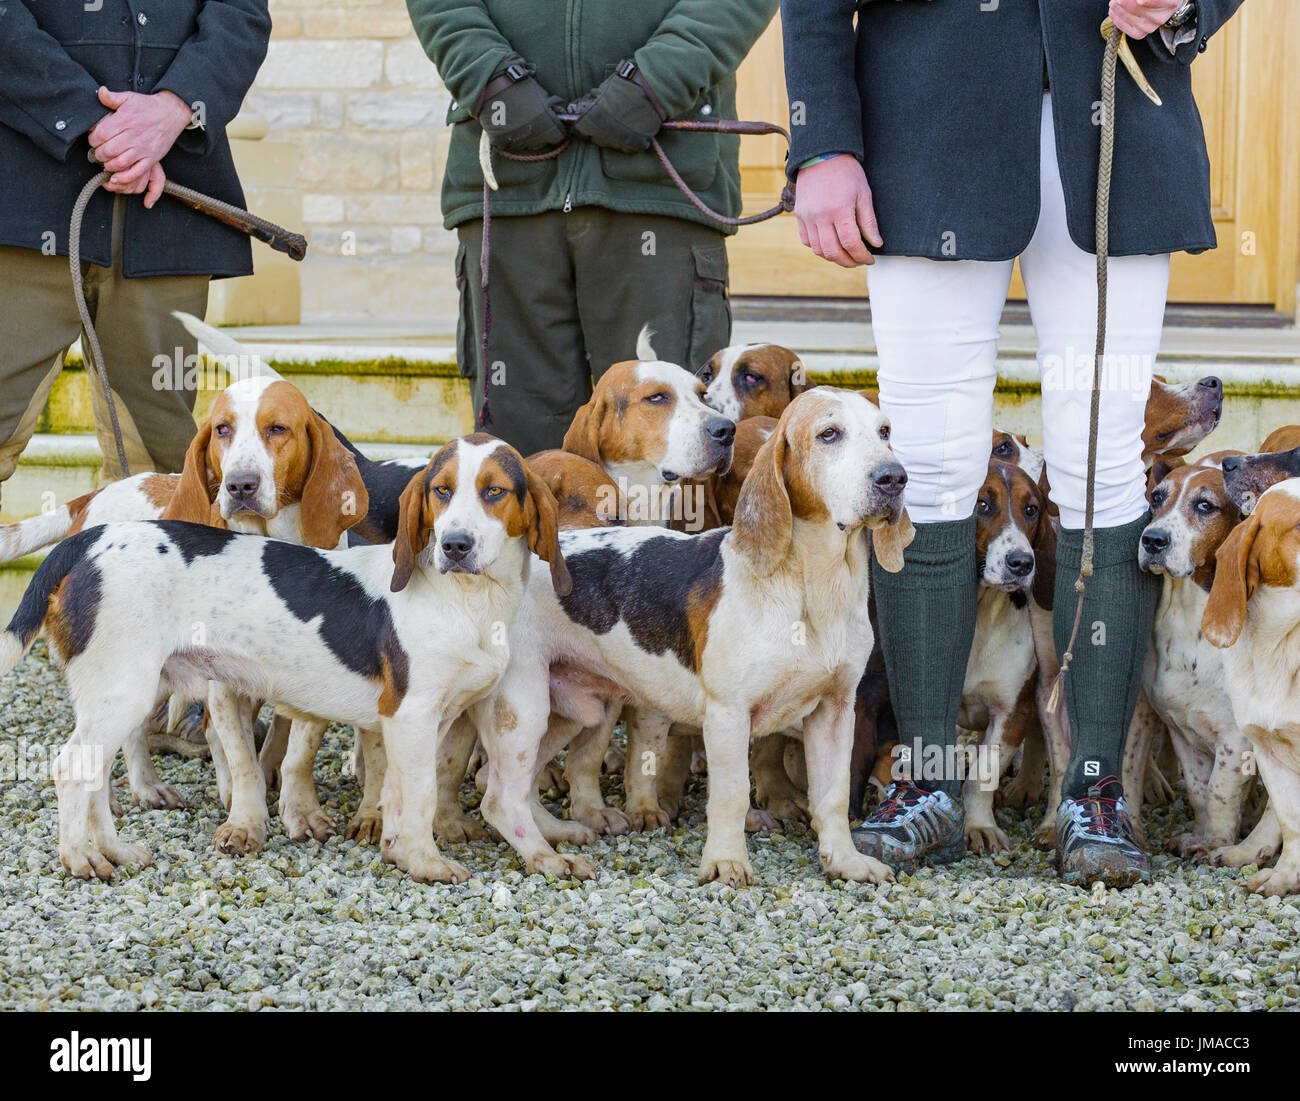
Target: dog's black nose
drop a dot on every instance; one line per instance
(1155, 541)
(1020, 563)
(1210, 382)
(721, 430)
(1233, 463)
(456, 545)
(890, 479)
(243, 486)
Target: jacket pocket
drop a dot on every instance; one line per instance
(63, 20)
(466, 344)
(463, 170)
(170, 24)
(694, 155)
(710, 305)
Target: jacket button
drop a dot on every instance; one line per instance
(1200, 46)
(60, 125)
(707, 109)
(142, 19)
(139, 82)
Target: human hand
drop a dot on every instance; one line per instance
(139, 132)
(1138, 18)
(834, 211)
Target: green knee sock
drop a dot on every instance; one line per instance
(926, 616)
(1101, 687)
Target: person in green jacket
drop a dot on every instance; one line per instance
(587, 246)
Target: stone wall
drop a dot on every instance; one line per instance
(349, 85)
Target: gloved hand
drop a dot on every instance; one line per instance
(520, 116)
(621, 114)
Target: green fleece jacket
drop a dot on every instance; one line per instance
(687, 50)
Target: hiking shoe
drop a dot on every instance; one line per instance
(1095, 842)
(912, 826)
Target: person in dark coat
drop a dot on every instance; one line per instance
(977, 127)
(143, 90)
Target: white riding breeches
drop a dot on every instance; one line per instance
(936, 329)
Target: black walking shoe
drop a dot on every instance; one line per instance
(913, 826)
(1095, 842)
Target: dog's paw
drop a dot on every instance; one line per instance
(97, 862)
(561, 865)
(158, 796)
(246, 838)
(986, 839)
(759, 821)
(1045, 836)
(1156, 790)
(1190, 846)
(552, 778)
(426, 867)
(1274, 881)
(1020, 791)
(608, 821)
(1238, 856)
(856, 867)
(459, 828)
(646, 818)
(785, 809)
(308, 824)
(615, 761)
(556, 830)
(734, 873)
(365, 827)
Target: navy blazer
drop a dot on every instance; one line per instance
(54, 54)
(941, 100)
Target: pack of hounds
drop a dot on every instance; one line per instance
(481, 612)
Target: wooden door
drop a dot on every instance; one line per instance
(1249, 98)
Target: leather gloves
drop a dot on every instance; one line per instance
(623, 113)
(519, 114)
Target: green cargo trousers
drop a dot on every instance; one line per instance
(39, 320)
(569, 294)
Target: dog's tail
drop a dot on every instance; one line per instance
(644, 349)
(35, 532)
(35, 604)
(233, 356)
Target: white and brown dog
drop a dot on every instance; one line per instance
(344, 635)
(1253, 615)
(742, 632)
(1183, 678)
(753, 380)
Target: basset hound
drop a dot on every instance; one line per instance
(1183, 678)
(401, 639)
(753, 380)
(1246, 477)
(1253, 615)
(742, 632)
(1015, 545)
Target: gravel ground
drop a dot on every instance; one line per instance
(305, 925)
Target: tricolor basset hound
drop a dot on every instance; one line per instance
(1016, 556)
(1253, 615)
(1247, 477)
(742, 632)
(401, 638)
(1183, 678)
(753, 380)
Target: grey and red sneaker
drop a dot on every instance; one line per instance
(913, 826)
(1095, 841)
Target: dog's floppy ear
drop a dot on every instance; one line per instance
(583, 436)
(1236, 574)
(1044, 560)
(891, 539)
(764, 521)
(413, 529)
(543, 518)
(193, 498)
(334, 497)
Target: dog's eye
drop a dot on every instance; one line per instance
(659, 398)
(984, 506)
(275, 429)
(706, 375)
(443, 492)
(1031, 511)
(1158, 498)
(492, 493)
(829, 435)
(224, 430)
(1003, 449)
(884, 432)
(750, 379)
(1206, 508)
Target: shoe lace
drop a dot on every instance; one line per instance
(1101, 812)
(902, 798)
